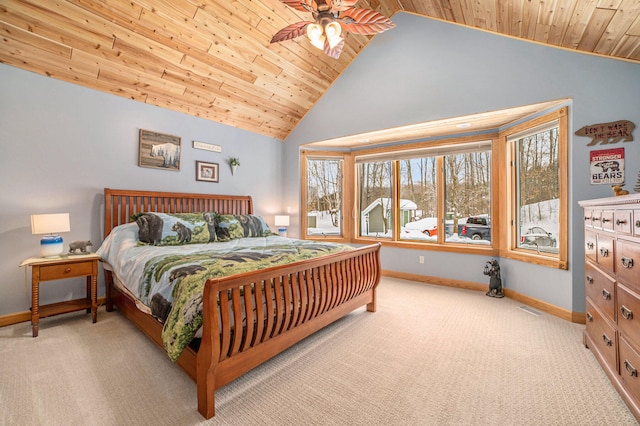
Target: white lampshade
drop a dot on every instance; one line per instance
(51, 224)
(282, 221)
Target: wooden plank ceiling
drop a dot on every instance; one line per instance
(213, 59)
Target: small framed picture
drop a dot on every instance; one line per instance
(206, 172)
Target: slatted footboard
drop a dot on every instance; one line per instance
(277, 307)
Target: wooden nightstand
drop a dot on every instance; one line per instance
(46, 269)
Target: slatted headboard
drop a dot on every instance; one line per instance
(120, 204)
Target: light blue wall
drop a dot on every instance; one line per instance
(61, 144)
(426, 70)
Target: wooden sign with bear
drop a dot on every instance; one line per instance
(608, 133)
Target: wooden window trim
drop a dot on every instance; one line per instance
(502, 207)
(508, 243)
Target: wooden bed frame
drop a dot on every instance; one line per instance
(306, 296)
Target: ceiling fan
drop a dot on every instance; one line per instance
(331, 18)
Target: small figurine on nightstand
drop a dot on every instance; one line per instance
(492, 269)
(79, 245)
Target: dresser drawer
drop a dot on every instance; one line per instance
(595, 218)
(607, 220)
(58, 272)
(600, 288)
(605, 252)
(603, 335)
(628, 314)
(630, 368)
(628, 262)
(590, 245)
(588, 218)
(623, 222)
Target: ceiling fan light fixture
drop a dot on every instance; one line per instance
(333, 31)
(332, 18)
(314, 31)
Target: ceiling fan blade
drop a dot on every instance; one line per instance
(341, 5)
(336, 51)
(290, 31)
(365, 21)
(301, 5)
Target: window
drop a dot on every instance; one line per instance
(440, 188)
(324, 196)
(537, 186)
(419, 199)
(468, 196)
(502, 193)
(375, 200)
(537, 157)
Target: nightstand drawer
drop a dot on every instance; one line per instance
(68, 270)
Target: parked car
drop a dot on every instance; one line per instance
(476, 228)
(431, 231)
(537, 236)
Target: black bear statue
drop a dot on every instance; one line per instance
(492, 269)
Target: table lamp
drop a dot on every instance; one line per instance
(282, 221)
(51, 224)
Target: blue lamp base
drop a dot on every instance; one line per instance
(51, 246)
(282, 231)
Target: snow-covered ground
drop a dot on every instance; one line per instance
(543, 214)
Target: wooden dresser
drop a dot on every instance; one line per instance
(612, 288)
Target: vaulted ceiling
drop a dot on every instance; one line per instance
(213, 59)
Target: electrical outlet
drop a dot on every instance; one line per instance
(421, 259)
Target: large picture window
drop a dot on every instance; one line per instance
(502, 193)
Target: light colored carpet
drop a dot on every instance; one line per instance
(430, 356)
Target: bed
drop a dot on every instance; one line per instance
(249, 317)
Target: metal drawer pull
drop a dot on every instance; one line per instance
(626, 312)
(587, 218)
(621, 221)
(627, 262)
(630, 368)
(606, 295)
(605, 220)
(607, 341)
(638, 223)
(604, 252)
(589, 317)
(590, 245)
(595, 219)
(589, 279)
